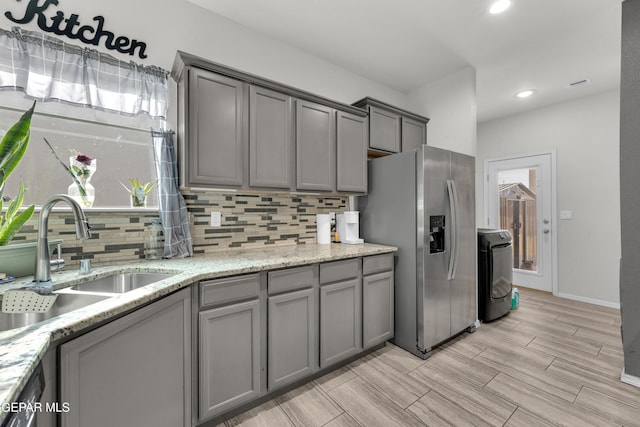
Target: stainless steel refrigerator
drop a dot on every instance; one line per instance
(423, 202)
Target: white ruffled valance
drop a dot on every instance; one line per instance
(48, 69)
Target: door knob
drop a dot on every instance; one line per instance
(545, 221)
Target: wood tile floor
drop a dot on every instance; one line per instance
(551, 362)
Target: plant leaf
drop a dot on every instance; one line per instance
(9, 229)
(15, 204)
(15, 142)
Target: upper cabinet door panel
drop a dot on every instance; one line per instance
(315, 146)
(414, 134)
(385, 130)
(352, 139)
(215, 129)
(270, 139)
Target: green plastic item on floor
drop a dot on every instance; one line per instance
(515, 298)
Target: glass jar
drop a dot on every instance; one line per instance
(154, 240)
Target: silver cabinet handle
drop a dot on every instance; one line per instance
(546, 231)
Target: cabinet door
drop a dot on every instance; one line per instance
(292, 337)
(414, 134)
(352, 137)
(315, 146)
(215, 142)
(340, 321)
(270, 139)
(134, 371)
(377, 308)
(229, 357)
(384, 129)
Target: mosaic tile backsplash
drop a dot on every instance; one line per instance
(248, 220)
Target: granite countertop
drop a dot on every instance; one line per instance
(22, 348)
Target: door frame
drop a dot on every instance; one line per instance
(554, 204)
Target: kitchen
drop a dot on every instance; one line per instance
(262, 56)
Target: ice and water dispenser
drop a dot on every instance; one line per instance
(436, 234)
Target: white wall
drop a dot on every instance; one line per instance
(585, 135)
(450, 103)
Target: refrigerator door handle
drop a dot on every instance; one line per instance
(453, 204)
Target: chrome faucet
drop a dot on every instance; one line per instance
(42, 276)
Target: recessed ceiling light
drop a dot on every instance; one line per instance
(500, 6)
(525, 93)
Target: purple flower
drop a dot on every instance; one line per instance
(84, 159)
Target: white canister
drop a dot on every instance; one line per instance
(323, 229)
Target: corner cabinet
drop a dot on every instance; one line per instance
(238, 130)
(392, 129)
(134, 371)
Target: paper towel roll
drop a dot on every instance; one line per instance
(323, 229)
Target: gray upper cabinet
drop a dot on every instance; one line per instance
(392, 129)
(315, 147)
(414, 134)
(238, 130)
(351, 141)
(134, 371)
(385, 130)
(270, 138)
(215, 149)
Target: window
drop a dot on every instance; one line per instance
(122, 146)
(115, 130)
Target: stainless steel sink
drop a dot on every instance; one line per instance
(121, 282)
(63, 304)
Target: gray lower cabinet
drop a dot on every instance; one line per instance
(270, 139)
(340, 321)
(292, 330)
(315, 147)
(229, 357)
(377, 300)
(134, 371)
(351, 141)
(230, 353)
(414, 134)
(215, 143)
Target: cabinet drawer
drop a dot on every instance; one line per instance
(292, 279)
(377, 263)
(339, 270)
(220, 291)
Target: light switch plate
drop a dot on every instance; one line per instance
(566, 214)
(216, 219)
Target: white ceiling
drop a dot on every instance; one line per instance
(406, 44)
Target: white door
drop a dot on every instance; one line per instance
(520, 197)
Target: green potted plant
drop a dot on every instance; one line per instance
(139, 192)
(12, 148)
(16, 259)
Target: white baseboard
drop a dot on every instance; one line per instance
(630, 379)
(589, 300)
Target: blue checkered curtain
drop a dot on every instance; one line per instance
(173, 209)
(47, 69)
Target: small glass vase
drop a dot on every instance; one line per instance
(138, 202)
(83, 173)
